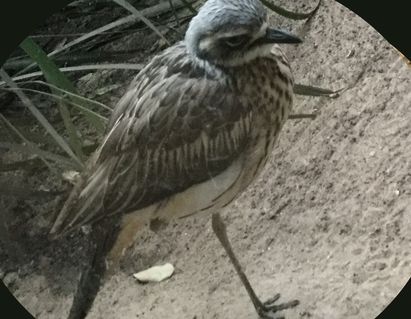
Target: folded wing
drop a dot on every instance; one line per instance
(177, 126)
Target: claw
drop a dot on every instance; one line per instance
(272, 300)
(269, 308)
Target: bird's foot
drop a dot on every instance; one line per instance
(270, 310)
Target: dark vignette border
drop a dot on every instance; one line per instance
(390, 18)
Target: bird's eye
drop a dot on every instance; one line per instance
(235, 41)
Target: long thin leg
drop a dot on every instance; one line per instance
(129, 226)
(264, 310)
(107, 242)
(100, 241)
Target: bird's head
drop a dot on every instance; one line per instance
(233, 32)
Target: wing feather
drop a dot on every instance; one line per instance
(176, 126)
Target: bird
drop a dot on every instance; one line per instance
(194, 129)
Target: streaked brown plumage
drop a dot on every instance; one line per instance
(175, 132)
(194, 129)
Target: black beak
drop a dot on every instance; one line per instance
(279, 36)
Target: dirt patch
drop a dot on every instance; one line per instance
(328, 223)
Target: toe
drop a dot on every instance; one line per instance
(270, 309)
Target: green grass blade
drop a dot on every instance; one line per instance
(27, 142)
(54, 76)
(32, 149)
(116, 66)
(60, 97)
(189, 6)
(309, 90)
(289, 14)
(138, 14)
(33, 109)
(121, 23)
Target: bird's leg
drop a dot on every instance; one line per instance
(108, 239)
(100, 240)
(265, 310)
(130, 224)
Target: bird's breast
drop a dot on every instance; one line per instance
(265, 87)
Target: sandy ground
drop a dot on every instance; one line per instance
(328, 223)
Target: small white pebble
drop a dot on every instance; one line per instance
(372, 154)
(397, 192)
(156, 273)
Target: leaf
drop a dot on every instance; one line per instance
(54, 76)
(309, 90)
(34, 110)
(289, 14)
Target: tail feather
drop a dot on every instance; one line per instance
(85, 203)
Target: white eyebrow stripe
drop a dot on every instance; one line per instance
(205, 43)
(234, 33)
(262, 31)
